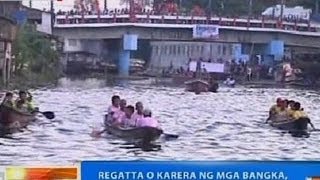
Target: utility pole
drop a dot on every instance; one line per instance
(105, 5)
(30, 3)
(317, 7)
(281, 10)
(51, 6)
(250, 9)
(210, 6)
(52, 13)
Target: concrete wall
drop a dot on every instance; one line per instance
(165, 54)
(83, 45)
(72, 45)
(45, 25)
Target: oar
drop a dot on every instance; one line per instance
(171, 136)
(313, 127)
(48, 114)
(97, 134)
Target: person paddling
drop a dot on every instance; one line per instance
(26, 100)
(8, 100)
(275, 109)
(299, 115)
(125, 120)
(113, 109)
(137, 115)
(122, 112)
(148, 120)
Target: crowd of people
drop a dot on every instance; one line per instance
(122, 115)
(285, 110)
(23, 103)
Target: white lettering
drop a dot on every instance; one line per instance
(101, 175)
(176, 175)
(206, 175)
(120, 175)
(264, 175)
(228, 175)
(150, 175)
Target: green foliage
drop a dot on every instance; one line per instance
(34, 54)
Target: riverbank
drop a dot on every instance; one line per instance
(31, 81)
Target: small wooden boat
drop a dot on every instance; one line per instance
(12, 120)
(144, 134)
(197, 86)
(297, 128)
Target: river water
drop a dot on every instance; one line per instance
(223, 126)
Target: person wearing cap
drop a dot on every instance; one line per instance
(147, 120)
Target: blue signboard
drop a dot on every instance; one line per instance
(20, 17)
(173, 170)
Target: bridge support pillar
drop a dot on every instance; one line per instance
(124, 63)
(276, 48)
(129, 43)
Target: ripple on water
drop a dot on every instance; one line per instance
(228, 125)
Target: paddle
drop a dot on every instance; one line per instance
(97, 134)
(48, 114)
(171, 136)
(313, 127)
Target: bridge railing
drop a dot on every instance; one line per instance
(177, 19)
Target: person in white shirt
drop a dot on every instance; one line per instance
(148, 120)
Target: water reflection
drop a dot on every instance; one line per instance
(228, 125)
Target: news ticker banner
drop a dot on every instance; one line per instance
(201, 170)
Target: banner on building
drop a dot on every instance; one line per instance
(206, 31)
(209, 67)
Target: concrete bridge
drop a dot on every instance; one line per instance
(170, 32)
(271, 35)
(230, 31)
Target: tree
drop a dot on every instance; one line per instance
(33, 52)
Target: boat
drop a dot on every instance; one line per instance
(143, 134)
(12, 120)
(197, 86)
(297, 128)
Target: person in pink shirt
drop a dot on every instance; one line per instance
(137, 115)
(119, 115)
(148, 120)
(126, 119)
(113, 109)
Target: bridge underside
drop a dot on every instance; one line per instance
(183, 34)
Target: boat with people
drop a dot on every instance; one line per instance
(131, 123)
(12, 120)
(296, 128)
(19, 113)
(289, 116)
(144, 134)
(199, 83)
